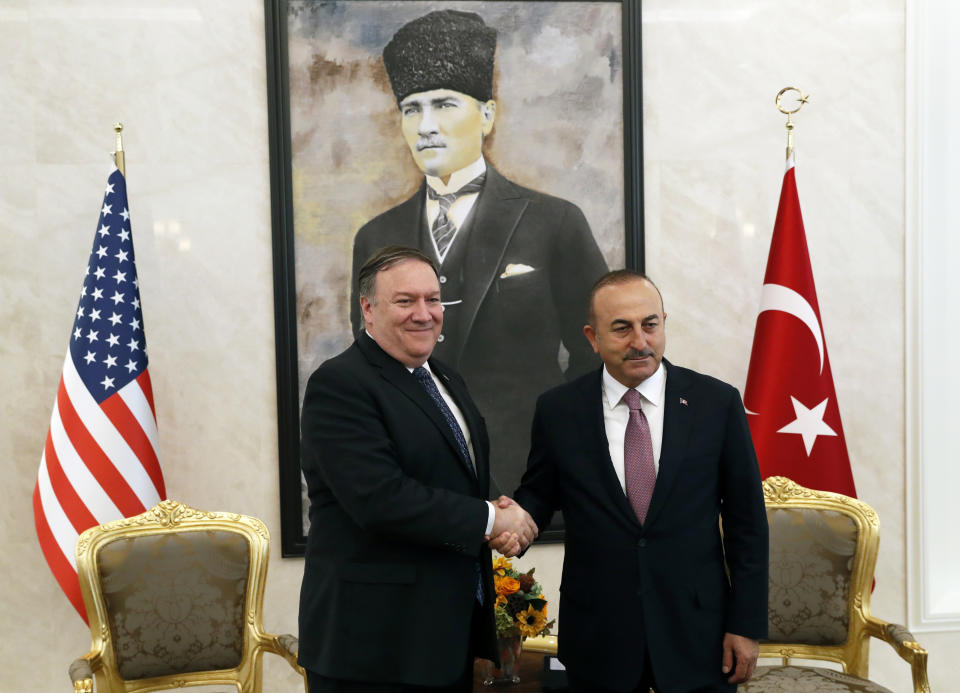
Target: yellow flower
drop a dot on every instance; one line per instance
(502, 564)
(531, 621)
(506, 585)
(501, 600)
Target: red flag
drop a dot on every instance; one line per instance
(790, 399)
(100, 458)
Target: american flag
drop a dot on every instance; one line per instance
(100, 458)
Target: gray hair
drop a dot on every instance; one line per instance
(613, 278)
(384, 259)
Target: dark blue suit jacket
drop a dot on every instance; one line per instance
(396, 525)
(676, 584)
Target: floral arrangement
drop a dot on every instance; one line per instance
(520, 609)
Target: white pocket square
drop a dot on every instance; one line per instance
(513, 270)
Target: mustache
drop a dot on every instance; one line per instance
(429, 142)
(638, 354)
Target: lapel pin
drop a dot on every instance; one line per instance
(683, 401)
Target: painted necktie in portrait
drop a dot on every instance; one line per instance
(512, 115)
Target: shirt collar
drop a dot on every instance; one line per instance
(458, 179)
(652, 389)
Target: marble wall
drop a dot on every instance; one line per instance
(188, 80)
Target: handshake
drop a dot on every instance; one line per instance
(513, 528)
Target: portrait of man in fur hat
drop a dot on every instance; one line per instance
(516, 264)
(490, 136)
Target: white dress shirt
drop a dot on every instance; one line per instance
(461, 206)
(616, 414)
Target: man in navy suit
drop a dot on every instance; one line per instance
(647, 460)
(515, 264)
(397, 591)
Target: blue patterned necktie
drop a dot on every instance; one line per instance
(423, 375)
(443, 228)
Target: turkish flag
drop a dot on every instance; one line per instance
(790, 399)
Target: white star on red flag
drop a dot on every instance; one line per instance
(809, 423)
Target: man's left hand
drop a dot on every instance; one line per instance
(745, 651)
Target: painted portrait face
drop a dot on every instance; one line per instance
(445, 129)
(628, 330)
(405, 318)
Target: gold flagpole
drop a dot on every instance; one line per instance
(118, 155)
(801, 99)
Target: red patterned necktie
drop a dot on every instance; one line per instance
(640, 475)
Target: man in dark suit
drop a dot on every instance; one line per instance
(397, 591)
(515, 264)
(645, 459)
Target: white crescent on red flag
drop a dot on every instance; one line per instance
(790, 398)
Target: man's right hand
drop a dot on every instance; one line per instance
(512, 520)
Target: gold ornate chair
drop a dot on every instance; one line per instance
(174, 598)
(823, 549)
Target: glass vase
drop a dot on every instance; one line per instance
(509, 671)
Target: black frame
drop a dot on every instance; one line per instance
(293, 539)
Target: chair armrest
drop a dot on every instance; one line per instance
(906, 646)
(287, 646)
(81, 673)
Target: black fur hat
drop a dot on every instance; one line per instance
(446, 49)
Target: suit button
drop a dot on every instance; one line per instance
(440, 338)
(642, 543)
(443, 279)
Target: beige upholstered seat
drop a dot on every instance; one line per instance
(823, 549)
(174, 598)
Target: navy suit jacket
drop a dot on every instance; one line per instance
(663, 586)
(396, 525)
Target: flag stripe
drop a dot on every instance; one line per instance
(60, 527)
(70, 502)
(136, 400)
(124, 418)
(98, 462)
(147, 386)
(111, 445)
(64, 571)
(81, 479)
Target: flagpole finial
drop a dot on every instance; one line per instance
(118, 157)
(801, 100)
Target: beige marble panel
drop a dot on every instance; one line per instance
(188, 79)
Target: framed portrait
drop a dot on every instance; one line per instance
(560, 198)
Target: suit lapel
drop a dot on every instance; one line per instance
(495, 218)
(473, 420)
(397, 374)
(677, 420)
(596, 433)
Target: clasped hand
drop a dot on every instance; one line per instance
(513, 528)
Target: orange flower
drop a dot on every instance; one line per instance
(506, 585)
